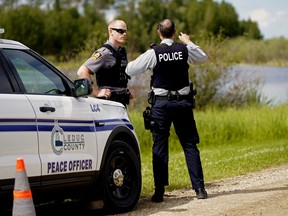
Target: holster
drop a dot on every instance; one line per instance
(121, 96)
(148, 120)
(192, 94)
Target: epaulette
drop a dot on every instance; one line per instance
(152, 45)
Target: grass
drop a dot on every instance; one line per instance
(218, 127)
(233, 142)
(241, 158)
(219, 162)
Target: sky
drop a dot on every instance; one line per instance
(271, 15)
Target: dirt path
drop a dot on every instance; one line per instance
(263, 193)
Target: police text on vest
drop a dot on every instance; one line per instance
(170, 56)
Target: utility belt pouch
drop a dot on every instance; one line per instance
(151, 97)
(122, 96)
(127, 97)
(169, 95)
(148, 121)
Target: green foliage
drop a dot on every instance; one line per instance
(18, 25)
(227, 19)
(60, 31)
(150, 11)
(192, 17)
(247, 51)
(212, 17)
(217, 84)
(250, 29)
(62, 27)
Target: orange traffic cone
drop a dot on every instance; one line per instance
(23, 203)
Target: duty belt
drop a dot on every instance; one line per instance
(173, 97)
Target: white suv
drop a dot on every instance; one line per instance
(73, 145)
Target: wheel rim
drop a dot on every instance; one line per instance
(121, 173)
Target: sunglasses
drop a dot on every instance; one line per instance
(120, 31)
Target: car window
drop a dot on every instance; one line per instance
(37, 78)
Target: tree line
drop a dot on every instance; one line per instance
(64, 28)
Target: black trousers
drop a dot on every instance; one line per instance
(180, 113)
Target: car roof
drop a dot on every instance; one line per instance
(5, 43)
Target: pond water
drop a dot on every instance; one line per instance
(275, 81)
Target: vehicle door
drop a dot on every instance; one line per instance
(18, 131)
(66, 130)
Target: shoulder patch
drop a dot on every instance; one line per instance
(96, 55)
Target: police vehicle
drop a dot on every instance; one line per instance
(73, 145)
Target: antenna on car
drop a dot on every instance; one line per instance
(2, 30)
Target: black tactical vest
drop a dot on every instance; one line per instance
(114, 76)
(171, 70)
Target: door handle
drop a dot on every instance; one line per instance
(99, 124)
(46, 109)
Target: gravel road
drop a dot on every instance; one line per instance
(263, 193)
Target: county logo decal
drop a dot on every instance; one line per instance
(57, 139)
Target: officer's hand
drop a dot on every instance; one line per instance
(132, 94)
(184, 38)
(104, 93)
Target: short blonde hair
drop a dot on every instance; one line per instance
(115, 22)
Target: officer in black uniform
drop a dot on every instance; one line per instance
(109, 63)
(169, 62)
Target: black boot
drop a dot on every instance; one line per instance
(158, 195)
(201, 193)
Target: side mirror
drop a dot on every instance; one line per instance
(82, 87)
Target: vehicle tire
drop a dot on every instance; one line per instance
(122, 178)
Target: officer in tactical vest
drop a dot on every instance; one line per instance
(171, 99)
(108, 63)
